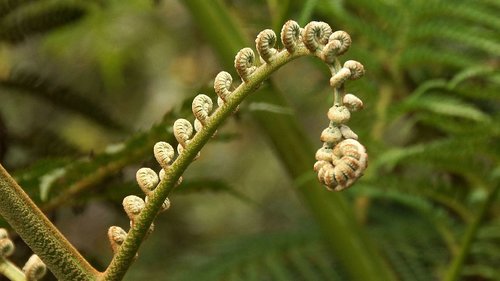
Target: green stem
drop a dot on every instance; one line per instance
(40, 234)
(455, 269)
(10, 270)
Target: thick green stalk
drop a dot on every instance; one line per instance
(348, 242)
(455, 269)
(40, 234)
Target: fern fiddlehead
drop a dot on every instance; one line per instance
(342, 159)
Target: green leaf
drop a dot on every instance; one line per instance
(445, 105)
(35, 17)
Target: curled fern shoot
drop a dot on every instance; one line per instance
(342, 159)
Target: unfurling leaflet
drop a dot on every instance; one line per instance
(316, 34)
(222, 86)
(290, 35)
(34, 269)
(116, 236)
(202, 107)
(265, 44)
(133, 206)
(244, 63)
(6, 245)
(147, 179)
(164, 153)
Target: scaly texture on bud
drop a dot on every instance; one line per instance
(265, 45)
(116, 236)
(291, 35)
(222, 85)
(202, 107)
(316, 34)
(133, 206)
(147, 179)
(244, 63)
(183, 131)
(164, 153)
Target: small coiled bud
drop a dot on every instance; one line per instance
(6, 247)
(356, 68)
(133, 205)
(290, 35)
(352, 102)
(330, 52)
(265, 44)
(351, 70)
(344, 40)
(222, 85)
(34, 269)
(316, 34)
(340, 77)
(339, 114)
(347, 133)
(116, 236)
(349, 160)
(183, 130)
(324, 154)
(244, 63)
(147, 179)
(202, 107)
(331, 135)
(164, 153)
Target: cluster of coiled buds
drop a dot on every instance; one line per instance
(148, 180)
(33, 270)
(342, 159)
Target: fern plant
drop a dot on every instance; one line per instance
(340, 162)
(429, 125)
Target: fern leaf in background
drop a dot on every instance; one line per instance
(436, 64)
(21, 19)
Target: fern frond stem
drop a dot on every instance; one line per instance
(338, 93)
(40, 234)
(455, 269)
(125, 256)
(10, 270)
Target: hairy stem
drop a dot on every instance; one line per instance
(40, 234)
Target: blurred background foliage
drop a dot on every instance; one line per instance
(87, 87)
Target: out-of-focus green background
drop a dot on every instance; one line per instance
(87, 87)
